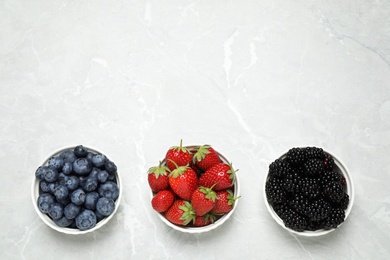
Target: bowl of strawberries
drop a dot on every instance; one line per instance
(194, 189)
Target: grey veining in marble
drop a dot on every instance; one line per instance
(252, 78)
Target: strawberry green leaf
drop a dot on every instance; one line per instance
(160, 170)
(201, 153)
(188, 213)
(180, 148)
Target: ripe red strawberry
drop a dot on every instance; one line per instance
(204, 220)
(206, 157)
(222, 175)
(158, 177)
(180, 213)
(182, 156)
(183, 181)
(163, 200)
(203, 200)
(225, 202)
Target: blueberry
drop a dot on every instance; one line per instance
(72, 182)
(62, 178)
(78, 196)
(67, 168)
(44, 185)
(110, 167)
(56, 210)
(91, 199)
(109, 190)
(94, 173)
(105, 206)
(90, 184)
(53, 186)
(80, 151)
(90, 155)
(111, 177)
(44, 202)
(71, 210)
(102, 176)
(86, 220)
(56, 162)
(64, 201)
(61, 192)
(51, 174)
(68, 156)
(98, 160)
(82, 166)
(41, 172)
(99, 216)
(63, 222)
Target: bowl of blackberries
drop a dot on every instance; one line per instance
(308, 191)
(76, 190)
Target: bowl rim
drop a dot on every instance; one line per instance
(220, 221)
(47, 220)
(349, 189)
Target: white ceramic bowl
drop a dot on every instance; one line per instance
(339, 167)
(35, 192)
(219, 222)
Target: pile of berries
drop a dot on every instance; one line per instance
(306, 191)
(77, 188)
(193, 187)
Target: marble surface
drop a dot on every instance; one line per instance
(252, 78)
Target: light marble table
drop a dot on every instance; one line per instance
(252, 78)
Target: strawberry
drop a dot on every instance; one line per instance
(222, 175)
(204, 220)
(158, 177)
(203, 200)
(206, 157)
(180, 213)
(163, 200)
(225, 202)
(182, 156)
(183, 181)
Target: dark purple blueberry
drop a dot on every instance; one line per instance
(68, 156)
(53, 186)
(71, 210)
(105, 206)
(86, 220)
(99, 216)
(63, 222)
(56, 210)
(61, 192)
(109, 190)
(82, 166)
(51, 174)
(94, 173)
(91, 199)
(102, 176)
(72, 182)
(80, 151)
(90, 155)
(110, 167)
(44, 185)
(98, 160)
(78, 196)
(56, 162)
(67, 168)
(61, 178)
(44, 202)
(90, 184)
(41, 172)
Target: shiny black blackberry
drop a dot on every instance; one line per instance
(328, 177)
(328, 162)
(334, 218)
(318, 210)
(281, 208)
(294, 220)
(343, 203)
(296, 156)
(314, 153)
(274, 191)
(334, 191)
(299, 203)
(313, 167)
(310, 188)
(292, 182)
(279, 168)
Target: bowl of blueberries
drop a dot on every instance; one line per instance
(76, 190)
(308, 191)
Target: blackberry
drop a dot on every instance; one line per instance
(294, 221)
(279, 168)
(292, 182)
(299, 203)
(296, 156)
(313, 167)
(281, 208)
(309, 188)
(328, 177)
(274, 191)
(314, 225)
(328, 162)
(343, 203)
(334, 191)
(335, 218)
(314, 152)
(318, 210)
